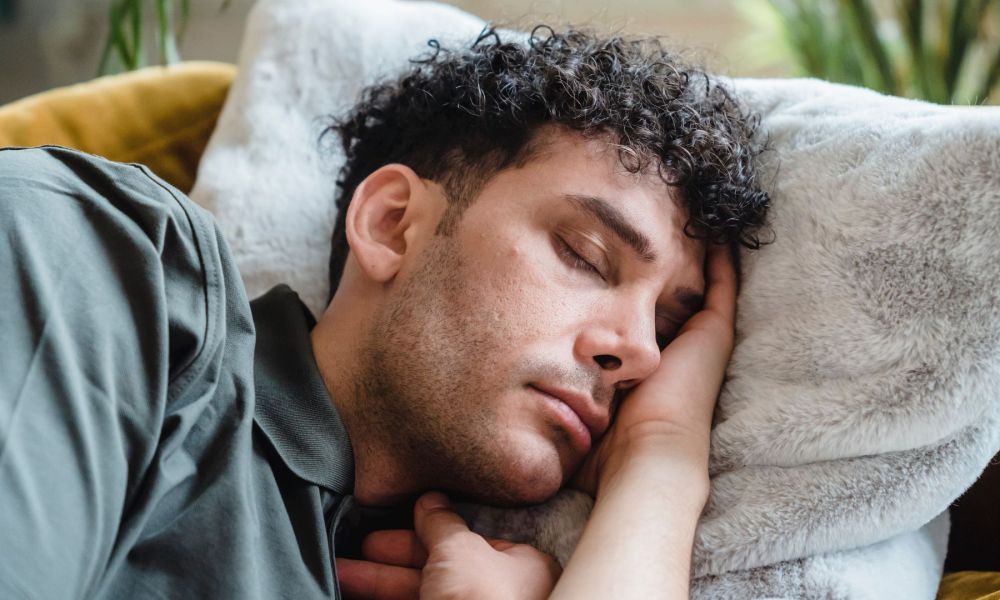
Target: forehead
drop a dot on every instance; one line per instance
(565, 164)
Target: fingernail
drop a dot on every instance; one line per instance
(432, 500)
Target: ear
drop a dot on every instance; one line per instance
(381, 212)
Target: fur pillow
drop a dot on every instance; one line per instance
(265, 174)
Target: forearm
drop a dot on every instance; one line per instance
(651, 468)
(637, 543)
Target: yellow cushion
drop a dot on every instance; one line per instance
(158, 116)
(970, 585)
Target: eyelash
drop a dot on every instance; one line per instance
(578, 262)
(575, 260)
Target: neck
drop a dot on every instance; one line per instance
(381, 478)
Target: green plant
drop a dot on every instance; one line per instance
(125, 48)
(945, 51)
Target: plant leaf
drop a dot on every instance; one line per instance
(104, 64)
(185, 13)
(958, 42)
(945, 48)
(167, 41)
(912, 15)
(118, 34)
(991, 78)
(163, 21)
(138, 51)
(876, 56)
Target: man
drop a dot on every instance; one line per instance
(524, 299)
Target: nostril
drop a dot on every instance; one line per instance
(608, 362)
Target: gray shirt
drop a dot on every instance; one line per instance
(149, 448)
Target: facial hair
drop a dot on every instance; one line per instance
(422, 368)
(432, 376)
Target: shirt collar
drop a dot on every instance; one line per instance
(293, 406)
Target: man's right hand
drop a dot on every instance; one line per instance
(664, 423)
(649, 474)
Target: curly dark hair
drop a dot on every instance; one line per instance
(459, 117)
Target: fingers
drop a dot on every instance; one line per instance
(434, 521)
(721, 280)
(535, 555)
(399, 547)
(402, 547)
(397, 566)
(363, 580)
(501, 545)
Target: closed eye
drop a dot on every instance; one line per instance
(573, 258)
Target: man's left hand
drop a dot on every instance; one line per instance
(443, 558)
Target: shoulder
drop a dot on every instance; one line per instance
(126, 347)
(110, 249)
(57, 182)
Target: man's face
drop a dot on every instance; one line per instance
(496, 359)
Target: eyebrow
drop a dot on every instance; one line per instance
(616, 222)
(613, 219)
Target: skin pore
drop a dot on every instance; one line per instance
(568, 274)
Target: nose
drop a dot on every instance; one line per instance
(622, 344)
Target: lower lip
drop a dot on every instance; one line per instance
(568, 420)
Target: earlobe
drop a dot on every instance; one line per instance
(378, 216)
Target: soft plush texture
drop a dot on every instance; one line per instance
(158, 116)
(302, 61)
(862, 397)
(865, 384)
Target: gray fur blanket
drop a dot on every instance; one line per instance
(864, 392)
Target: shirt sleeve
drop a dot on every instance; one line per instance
(108, 300)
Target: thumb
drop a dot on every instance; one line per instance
(434, 521)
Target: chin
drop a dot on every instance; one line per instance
(530, 480)
(519, 496)
(539, 494)
(518, 466)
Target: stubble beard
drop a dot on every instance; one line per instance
(427, 389)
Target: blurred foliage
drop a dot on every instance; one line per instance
(126, 46)
(945, 51)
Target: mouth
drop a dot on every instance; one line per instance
(575, 413)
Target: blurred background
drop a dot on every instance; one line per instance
(946, 51)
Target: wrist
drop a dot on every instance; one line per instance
(681, 477)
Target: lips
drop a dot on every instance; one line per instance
(594, 418)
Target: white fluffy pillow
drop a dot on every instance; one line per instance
(262, 174)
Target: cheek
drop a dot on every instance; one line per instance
(524, 296)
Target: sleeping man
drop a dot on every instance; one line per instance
(533, 287)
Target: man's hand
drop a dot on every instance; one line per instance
(666, 420)
(442, 558)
